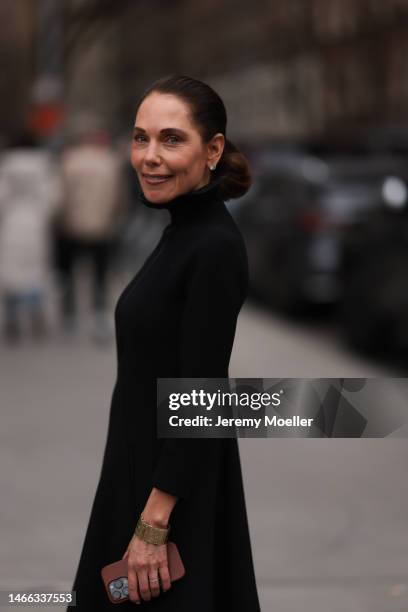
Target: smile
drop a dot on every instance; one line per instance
(156, 179)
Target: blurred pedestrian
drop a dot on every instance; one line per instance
(89, 223)
(29, 197)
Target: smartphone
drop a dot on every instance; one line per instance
(115, 575)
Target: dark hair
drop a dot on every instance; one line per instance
(209, 114)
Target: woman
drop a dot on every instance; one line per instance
(176, 319)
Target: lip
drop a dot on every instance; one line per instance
(156, 179)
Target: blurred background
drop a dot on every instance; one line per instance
(317, 97)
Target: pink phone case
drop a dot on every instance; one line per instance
(115, 574)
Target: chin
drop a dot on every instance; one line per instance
(157, 198)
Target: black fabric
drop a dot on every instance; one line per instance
(176, 318)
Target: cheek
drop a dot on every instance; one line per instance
(185, 164)
(135, 158)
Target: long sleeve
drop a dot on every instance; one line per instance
(216, 290)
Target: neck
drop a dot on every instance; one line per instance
(190, 204)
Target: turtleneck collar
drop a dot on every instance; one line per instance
(190, 204)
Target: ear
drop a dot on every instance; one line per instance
(215, 149)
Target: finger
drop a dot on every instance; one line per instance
(133, 586)
(154, 583)
(143, 582)
(165, 577)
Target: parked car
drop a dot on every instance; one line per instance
(295, 217)
(374, 306)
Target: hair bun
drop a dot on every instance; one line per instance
(234, 172)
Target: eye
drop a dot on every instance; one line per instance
(172, 139)
(137, 138)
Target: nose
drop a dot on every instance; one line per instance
(152, 156)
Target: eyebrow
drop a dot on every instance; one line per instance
(163, 131)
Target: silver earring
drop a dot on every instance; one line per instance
(212, 167)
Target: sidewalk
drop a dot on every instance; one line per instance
(328, 518)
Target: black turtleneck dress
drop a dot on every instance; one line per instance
(175, 319)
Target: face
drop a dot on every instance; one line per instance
(168, 153)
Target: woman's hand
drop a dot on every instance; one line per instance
(147, 566)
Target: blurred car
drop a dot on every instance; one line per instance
(374, 307)
(295, 217)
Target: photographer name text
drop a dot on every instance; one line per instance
(266, 421)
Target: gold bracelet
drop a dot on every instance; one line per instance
(150, 534)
